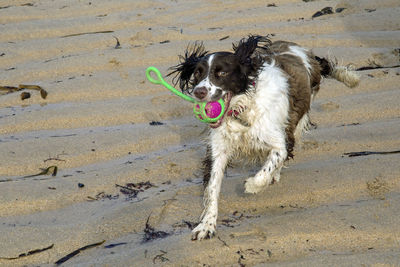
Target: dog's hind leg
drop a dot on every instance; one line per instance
(269, 172)
(303, 126)
(208, 219)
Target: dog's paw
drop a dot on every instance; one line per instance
(203, 231)
(251, 187)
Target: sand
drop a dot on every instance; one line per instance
(95, 126)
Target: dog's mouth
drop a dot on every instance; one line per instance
(227, 101)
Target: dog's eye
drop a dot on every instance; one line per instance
(221, 73)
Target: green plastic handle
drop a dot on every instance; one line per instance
(160, 80)
(199, 108)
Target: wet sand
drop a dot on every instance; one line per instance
(95, 126)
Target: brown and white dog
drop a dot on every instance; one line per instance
(267, 88)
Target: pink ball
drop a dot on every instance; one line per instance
(213, 109)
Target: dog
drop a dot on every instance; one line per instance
(267, 88)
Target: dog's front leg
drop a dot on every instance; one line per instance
(208, 219)
(270, 171)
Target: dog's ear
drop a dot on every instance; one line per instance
(244, 50)
(184, 70)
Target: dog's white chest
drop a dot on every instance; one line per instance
(260, 124)
(242, 138)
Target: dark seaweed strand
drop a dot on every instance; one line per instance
(377, 67)
(151, 234)
(366, 153)
(115, 245)
(31, 252)
(76, 252)
(84, 33)
(184, 70)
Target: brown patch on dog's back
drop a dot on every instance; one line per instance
(299, 93)
(279, 47)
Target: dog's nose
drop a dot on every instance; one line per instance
(200, 92)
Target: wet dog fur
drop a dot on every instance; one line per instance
(268, 88)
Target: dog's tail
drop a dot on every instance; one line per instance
(343, 74)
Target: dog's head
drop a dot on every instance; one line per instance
(210, 76)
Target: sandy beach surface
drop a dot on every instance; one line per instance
(128, 153)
